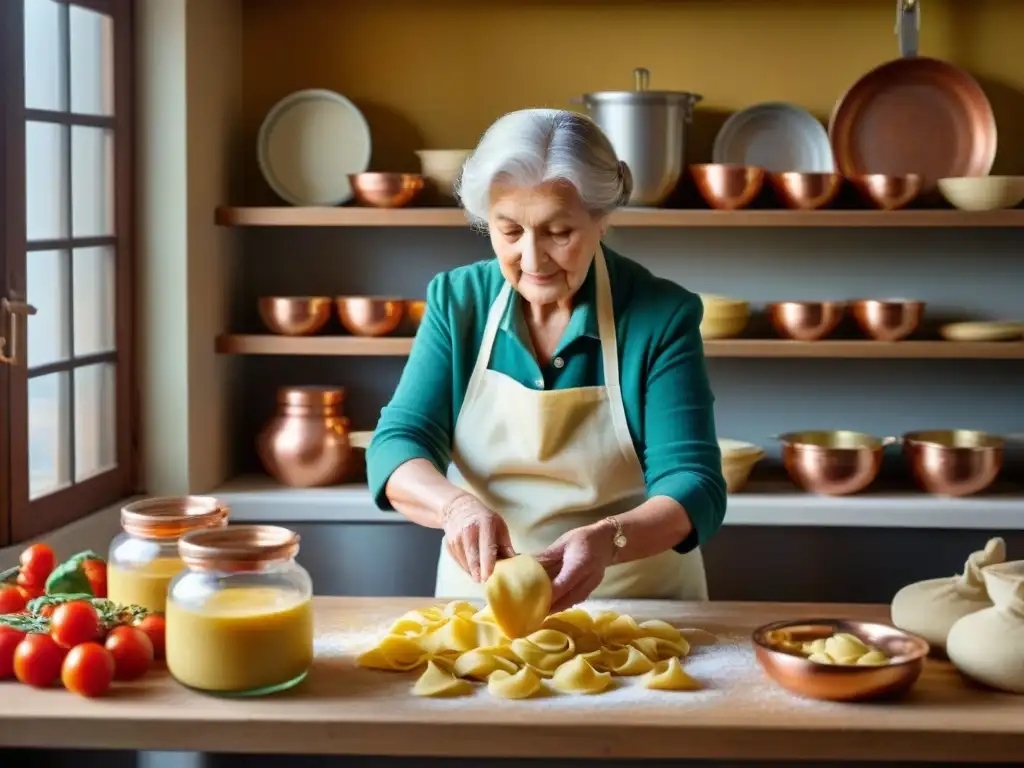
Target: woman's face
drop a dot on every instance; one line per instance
(544, 238)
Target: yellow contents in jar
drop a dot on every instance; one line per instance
(242, 640)
(143, 585)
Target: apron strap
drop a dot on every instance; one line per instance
(483, 358)
(606, 321)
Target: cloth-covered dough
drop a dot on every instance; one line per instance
(930, 608)
(519, 595)
(988, 645)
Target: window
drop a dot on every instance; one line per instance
(66, 435)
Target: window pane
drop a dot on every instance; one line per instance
(95, 420)
(46, 181)
(92, 62)
(47, 284)
(49, 445)
(94, 300)
(45, 56)
(92, 181)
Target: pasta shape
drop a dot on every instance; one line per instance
(519, 595)
(578, 676)
(842, 649)
(436, 681)
(521, 685)
(670, 676)
(456, 645)
(481, 663)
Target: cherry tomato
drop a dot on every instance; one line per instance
(96, 572)
(37, 660)
(9, 639)
(37, 563)
(47, 611)
(132, 651)
(74, 623)
(27, 582)
(87, 669)
(154, 626)
(11, 600)
(31, 593)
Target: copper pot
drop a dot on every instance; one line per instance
(954, 462)
(368, 315)
(306, 443)
(385, 190)
(727, 187)
(832, 462)
(806, 191)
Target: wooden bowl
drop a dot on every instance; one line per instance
(828, 682)
(386, 190)
(294, 315)
(368, 315)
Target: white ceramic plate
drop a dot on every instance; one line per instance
(309, 143)
(775, 136)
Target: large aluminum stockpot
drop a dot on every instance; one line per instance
(648, 130)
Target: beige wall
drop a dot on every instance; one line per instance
(189, 90)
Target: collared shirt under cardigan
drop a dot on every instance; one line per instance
(664, 380)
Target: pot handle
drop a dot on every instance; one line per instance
(908, 27)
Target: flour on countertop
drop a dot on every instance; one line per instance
(727, 669)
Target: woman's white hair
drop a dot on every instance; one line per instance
(531, 147)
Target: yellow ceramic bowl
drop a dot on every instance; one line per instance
(738, 461)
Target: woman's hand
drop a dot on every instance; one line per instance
(476, 537)
(576, 563)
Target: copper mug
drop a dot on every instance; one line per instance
(306, 443)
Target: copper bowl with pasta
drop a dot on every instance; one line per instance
(839, 659)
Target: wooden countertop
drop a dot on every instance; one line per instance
(341, 709)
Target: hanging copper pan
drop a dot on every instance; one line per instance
(914, 115)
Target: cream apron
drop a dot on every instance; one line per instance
(551, 461)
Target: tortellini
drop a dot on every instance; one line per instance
(572, 652)
(518, 595)
(841, 649)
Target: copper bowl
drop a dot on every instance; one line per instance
(889, 319)
(385, 190)
(728, 187)
(889, 193)
(806, 320)
(294, 315)
(414, 310)
(829, 682)
(832, 462)
(954, 462)
(806, 191)
(369, 315)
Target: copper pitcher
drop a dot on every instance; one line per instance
(306, 442)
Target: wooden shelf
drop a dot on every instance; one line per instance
(260, 499)
(266, 344)
(629, 217)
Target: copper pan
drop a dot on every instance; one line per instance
(914, 115)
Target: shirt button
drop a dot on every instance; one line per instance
(540, 383)
(558, 362)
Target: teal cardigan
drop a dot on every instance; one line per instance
(665, 390)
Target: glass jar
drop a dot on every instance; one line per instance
(240, 617)
(144, 558)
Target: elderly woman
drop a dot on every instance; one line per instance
(556, 400)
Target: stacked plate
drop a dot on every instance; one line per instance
(724, 317)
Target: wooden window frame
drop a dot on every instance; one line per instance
(26, 518)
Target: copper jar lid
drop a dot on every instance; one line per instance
(324, 397)
(237, 547)
(170, 517)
